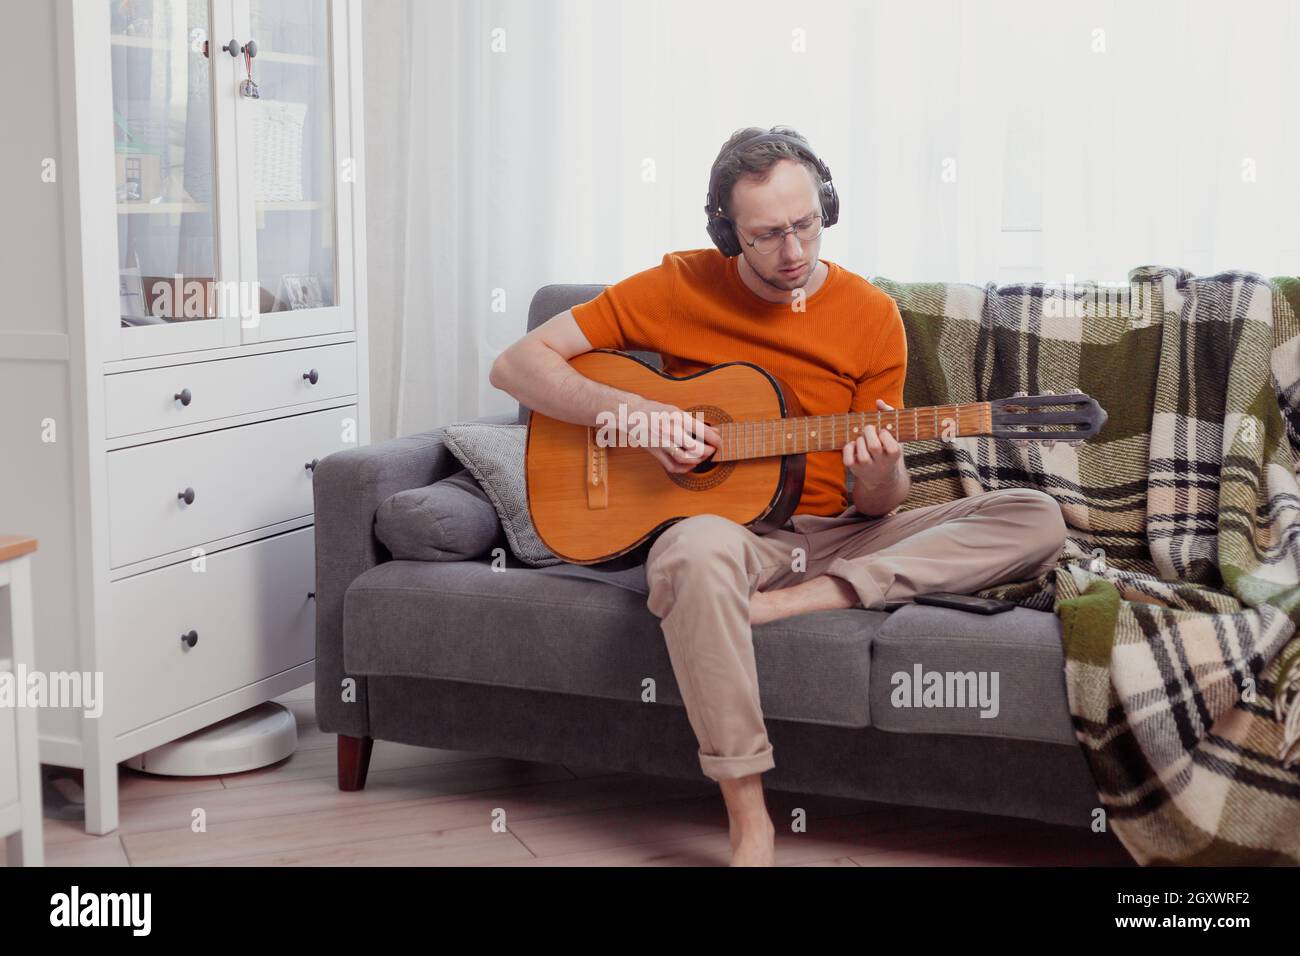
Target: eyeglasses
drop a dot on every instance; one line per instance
(805, 231)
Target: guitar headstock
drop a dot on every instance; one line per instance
(1070, 417)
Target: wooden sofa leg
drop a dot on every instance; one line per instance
(354, 761)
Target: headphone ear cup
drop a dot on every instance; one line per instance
(830, 204)
(724, 237)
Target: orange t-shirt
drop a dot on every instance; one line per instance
(846, 349)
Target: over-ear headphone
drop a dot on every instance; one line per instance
(723, 231)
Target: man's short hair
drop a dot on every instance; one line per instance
(756, 160)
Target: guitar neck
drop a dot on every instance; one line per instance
(799, 436)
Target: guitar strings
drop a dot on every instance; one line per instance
(765, 435)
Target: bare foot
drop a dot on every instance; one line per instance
(756, 847)
(749, 826)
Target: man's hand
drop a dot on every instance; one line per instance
(875, 458)
(681, 450)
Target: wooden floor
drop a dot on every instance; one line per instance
(428, 807)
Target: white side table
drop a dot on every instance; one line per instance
(20, 766)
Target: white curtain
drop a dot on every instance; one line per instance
(515, 143)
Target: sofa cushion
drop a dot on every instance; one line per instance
(1022, 647)
(449, 520)
(547, 629)
(494, 455)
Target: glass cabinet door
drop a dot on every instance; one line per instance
(291, 212)
(169, 251)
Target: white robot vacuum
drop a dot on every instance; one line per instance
(255, 738)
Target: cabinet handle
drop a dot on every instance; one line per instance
(184, 396)
(190, 639)
(233, 48)
(312, 376)
(311, 465)
(186, 496)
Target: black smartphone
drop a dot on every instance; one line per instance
(964, 602)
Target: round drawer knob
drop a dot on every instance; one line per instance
(186, 496)
(311, 465)
(190, 639)
(184, 396)
(312, 376)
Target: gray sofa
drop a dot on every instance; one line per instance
(547, 664)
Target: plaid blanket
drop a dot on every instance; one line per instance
(1178, 590)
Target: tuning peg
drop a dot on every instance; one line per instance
(1020, 395)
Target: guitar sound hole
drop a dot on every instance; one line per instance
(708, 473)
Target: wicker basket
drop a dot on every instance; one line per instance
(277, 149)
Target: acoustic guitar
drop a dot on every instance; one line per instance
(599, 503)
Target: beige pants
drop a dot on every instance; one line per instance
(702, 571)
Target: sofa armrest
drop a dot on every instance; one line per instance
(348, 488)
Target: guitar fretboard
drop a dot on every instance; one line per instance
(797, 436)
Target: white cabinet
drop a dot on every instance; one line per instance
(232, 212)
(175, 396)
(291, 210)
(188, 641)
(165, 412)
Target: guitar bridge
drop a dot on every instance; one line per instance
(597, 473)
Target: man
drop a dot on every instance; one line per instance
(765, 297)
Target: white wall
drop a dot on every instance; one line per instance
(978, 142)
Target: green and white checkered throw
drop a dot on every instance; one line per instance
(1178, 590)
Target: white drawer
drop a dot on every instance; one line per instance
(250, 615)
(242, 479)
(145, 401)
(8, 751)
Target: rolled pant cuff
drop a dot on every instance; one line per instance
(729, 768)
(868, 591)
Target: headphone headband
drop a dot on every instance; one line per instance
(723, 232)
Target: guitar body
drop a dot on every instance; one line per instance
(598, 503)
(613, 521)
